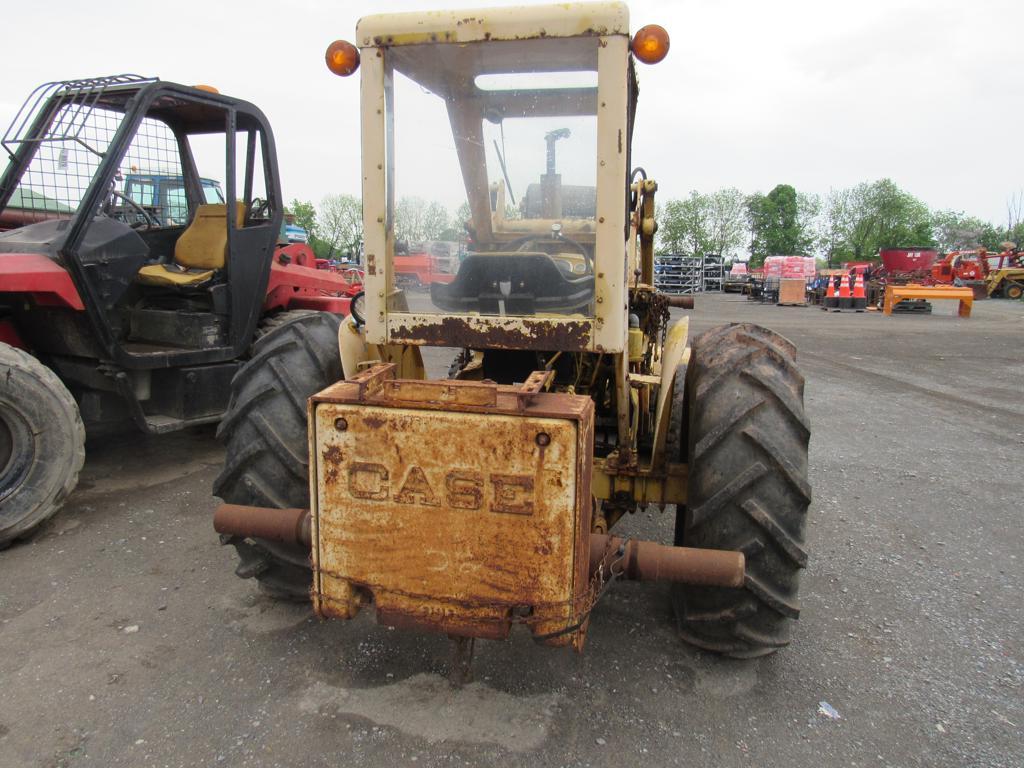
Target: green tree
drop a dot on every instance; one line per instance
(881, 215)
(340, 225)
(417, 220)
(1016, 235)
(463, 216)
(726, 221)
(832, 226)
(781, 223)
(856, 222)
(1015, 219)
(683, 225)
(435, 221)
(954, 231)
(304, 213)
(305, 217)
(703, 223)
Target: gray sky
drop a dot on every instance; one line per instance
(816, 94)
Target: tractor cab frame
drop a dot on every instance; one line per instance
(86, 244)
(485, 85)
(470, 504)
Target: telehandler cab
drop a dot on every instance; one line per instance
(130, 290)
(470, 504)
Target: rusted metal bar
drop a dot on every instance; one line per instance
(680, 302)
(462, 661)
(649, 561)
(288, 526)
(637, 560)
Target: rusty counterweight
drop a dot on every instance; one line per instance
(631, 559)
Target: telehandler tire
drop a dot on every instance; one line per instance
(42, 443)
(748, 488)
(264, 432)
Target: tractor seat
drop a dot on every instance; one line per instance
(200, 250)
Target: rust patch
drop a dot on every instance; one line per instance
(454, 517)
(521, 333)
(332, 460)
(373, 422)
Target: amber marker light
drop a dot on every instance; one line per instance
(342, 58)
(207, 88)
(650, 44)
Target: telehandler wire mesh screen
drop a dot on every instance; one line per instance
(68, 150)
(61, 171)
(63, 166)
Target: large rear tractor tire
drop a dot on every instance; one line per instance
(748, 488)
(264, 432)
(42, 443)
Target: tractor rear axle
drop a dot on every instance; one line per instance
(627, 558)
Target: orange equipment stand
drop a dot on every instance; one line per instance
(894, 294)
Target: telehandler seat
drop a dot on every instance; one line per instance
(201, 249)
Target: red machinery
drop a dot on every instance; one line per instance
(907, 261)
(430, 263)
(298, 281)
(965, 266)
(113, 310)
(922, 265)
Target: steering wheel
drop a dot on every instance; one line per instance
(357, 308)
(521, 244)
(259, 209)
(148, 219)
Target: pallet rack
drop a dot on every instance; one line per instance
(714, 273)
(677, 273)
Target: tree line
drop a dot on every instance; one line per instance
(335, 227)
(844, 225)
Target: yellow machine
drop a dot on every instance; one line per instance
(471, 504)
(1007, 282)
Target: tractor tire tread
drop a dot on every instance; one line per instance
(62, 456)
(748, 488)
(265, 435)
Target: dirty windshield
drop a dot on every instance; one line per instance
(492, 175)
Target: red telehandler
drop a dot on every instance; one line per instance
(112, 310)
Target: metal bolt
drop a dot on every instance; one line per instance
(543, 438)
(341, 424)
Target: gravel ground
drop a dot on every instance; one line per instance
(127, 640)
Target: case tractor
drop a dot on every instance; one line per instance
(130, 291)
(490, 498)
